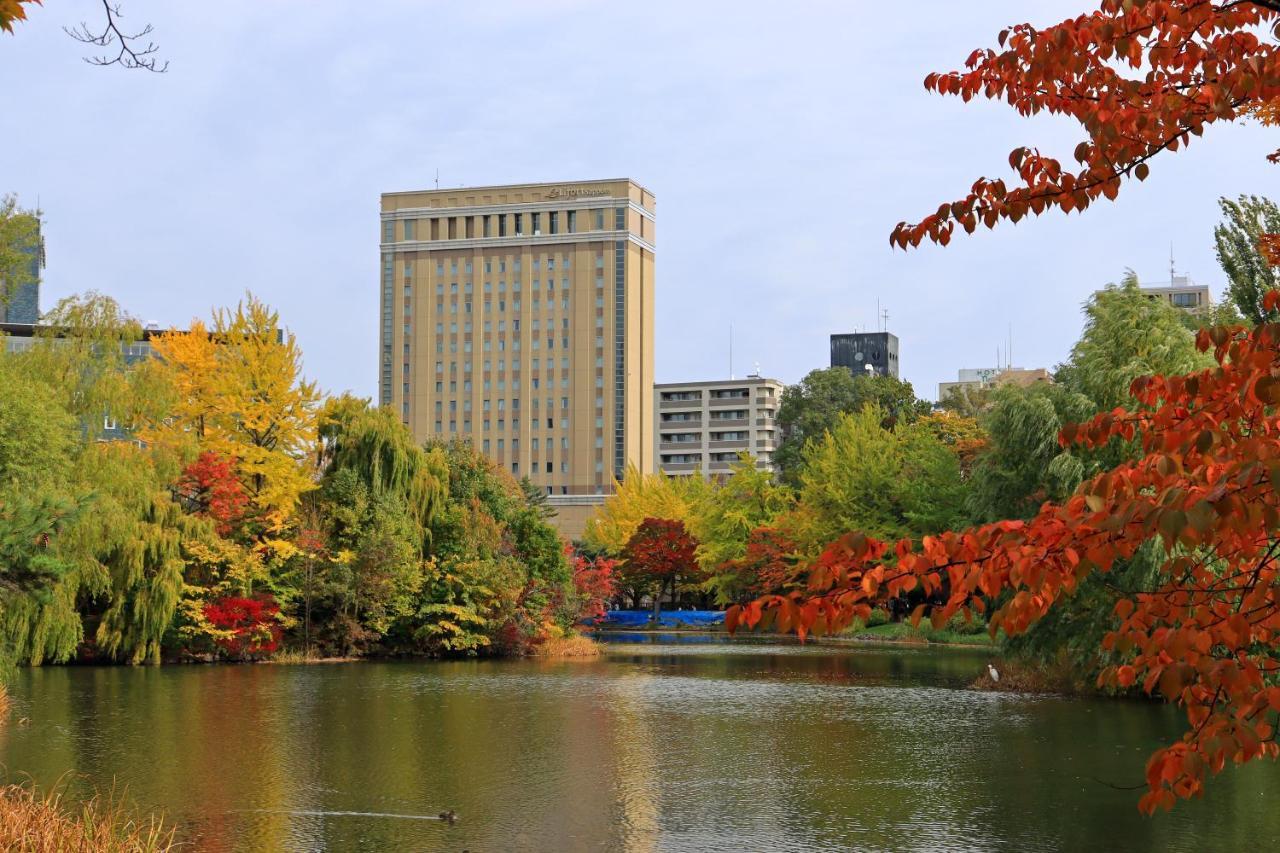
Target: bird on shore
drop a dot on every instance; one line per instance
(449, 817)
(995, 676)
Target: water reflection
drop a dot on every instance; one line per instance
(669, 745)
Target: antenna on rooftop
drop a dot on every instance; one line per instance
(1172, 274)
(731, 350)
(885, 315)
(437, 178)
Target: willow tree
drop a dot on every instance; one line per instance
(121, 569)
(373, 443)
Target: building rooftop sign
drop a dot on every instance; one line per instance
(577, 192)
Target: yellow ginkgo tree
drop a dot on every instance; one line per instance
(242, 396)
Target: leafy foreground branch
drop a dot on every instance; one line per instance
(35, 823)
(1205, 634)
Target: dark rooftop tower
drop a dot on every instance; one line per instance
(860, 350)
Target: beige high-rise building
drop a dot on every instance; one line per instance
(521, 318)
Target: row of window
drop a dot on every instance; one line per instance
(532, 223)
(696, 458)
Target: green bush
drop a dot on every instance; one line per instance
(878, 616)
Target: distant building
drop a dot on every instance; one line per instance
(979, 378)
(860, 350)
(1181, 292)
(20, 337)
(23, 303)
(702, 426)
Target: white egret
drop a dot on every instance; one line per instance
(995, 676)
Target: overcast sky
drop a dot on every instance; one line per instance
(783, 142)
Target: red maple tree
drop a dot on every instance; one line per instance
(253, 622)
(210, 488)
(595, 581)
(657, 555)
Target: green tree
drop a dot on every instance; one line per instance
(887, 483)
(1249, 273)
(1127, 334)
(499, 573)
(723, 517)
(19, 245)
(1023, 464)
(812, 406)
(123, 559)
(375, 566)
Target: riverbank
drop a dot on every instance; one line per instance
(31, 822)
(893, 632)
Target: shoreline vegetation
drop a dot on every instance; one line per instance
(36, 822)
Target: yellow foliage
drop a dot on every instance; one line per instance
(637, 497)
(242, 396)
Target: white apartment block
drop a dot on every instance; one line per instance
(702, 426)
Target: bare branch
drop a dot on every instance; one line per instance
(130, 53)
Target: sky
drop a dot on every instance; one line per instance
(783, 142)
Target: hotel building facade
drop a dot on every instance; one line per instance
(521, 318)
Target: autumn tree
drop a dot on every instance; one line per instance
(723, 517)
(1250, 275)
(656, 557)
(812, 406)
(768, 565)
(862, 476)
(243, 397)
(1140, 77)
(595, 579)
(637, 497)
(1203, 632)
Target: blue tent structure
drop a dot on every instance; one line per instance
(667, 619)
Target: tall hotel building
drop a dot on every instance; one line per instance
(521, 318)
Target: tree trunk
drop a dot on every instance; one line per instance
(657, 603)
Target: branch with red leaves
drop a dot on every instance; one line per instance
(1200, 62)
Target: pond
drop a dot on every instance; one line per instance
(667, 743)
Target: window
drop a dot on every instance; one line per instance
(573, 225)
(519, 224)
(549, 468)
(553, 222)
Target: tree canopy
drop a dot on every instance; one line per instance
(1238, 239)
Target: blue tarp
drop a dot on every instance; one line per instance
(668, 618)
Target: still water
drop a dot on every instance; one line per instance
(657, 745)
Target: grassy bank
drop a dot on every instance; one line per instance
(35, 823)
(903, 632)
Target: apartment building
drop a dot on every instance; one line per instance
(521, 318)
(1180, 292)
(703, 426)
